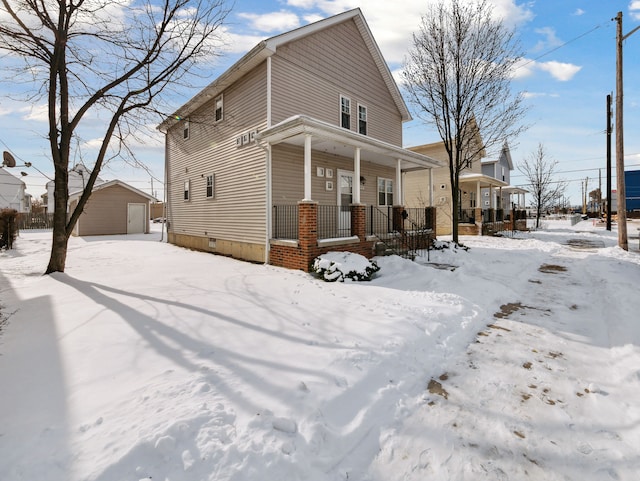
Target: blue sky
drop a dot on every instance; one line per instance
(568, 70)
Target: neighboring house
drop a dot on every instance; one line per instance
(507, 198)
(484, 192)
(13, 193)
(78, 177)
(293, 151)
(632, 189)
(113, 208)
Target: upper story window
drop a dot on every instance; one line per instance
(385, 192)
(210, 186)
(219, 108)
(362, 119)
(187, 190)
(345, 112)
(185, 129)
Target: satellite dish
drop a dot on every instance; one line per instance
(8, 160)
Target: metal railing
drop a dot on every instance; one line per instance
(285, 222)
(334, 221)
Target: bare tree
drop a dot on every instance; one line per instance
(457, 74)
(540, 172)
(104, 61)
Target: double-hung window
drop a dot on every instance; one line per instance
(362, 119)
(219, 113)
(210, 186)
(385, 192)
(345, 112)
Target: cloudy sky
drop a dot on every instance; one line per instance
(568, 71)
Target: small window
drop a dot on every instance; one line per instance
(362, 119)
(385, 192)
(187, 190)
(219, 108)
(210, 186)
(472, 199)
(345, 112)
(185, 130)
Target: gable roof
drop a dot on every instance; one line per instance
(268, 47)
(111, 183)
(8, 178)
(505, 153)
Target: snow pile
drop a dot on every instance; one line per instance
(515, 359)
(341, 266)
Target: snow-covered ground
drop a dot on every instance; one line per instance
(517, 359)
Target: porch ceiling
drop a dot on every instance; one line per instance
(338, 141)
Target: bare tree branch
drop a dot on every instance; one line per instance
(97, 57)
(458, 75)
(540, 173)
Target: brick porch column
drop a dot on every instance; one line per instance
(358, 221)
(307, 232)
(478, 214)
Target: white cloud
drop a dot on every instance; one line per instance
(578, 12)
(634, 9)
(272, 22)
(534, 95)
(37, 113)
(550, 40)
(560, 70)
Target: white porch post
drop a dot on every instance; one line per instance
(398, 187)
(479, 203)
(430, 187)
(356, 175)
(491, 201)
(307, 167)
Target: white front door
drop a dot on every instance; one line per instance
(345, 199)
(136, 219)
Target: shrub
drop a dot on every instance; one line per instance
(8, 227)
(338, 266)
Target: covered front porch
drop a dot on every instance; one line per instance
(485, 205)
(334, 189)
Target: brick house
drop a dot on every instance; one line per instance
(293, 151)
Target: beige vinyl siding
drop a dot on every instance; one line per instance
(237, 210)
(106, 211)
(288, 176)
(310, 74)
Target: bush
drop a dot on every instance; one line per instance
(338, 266)
(8, 227)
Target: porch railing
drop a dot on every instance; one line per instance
(285, 221)
(334, 221)
(467, 216)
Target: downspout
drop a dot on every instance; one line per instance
(166, 189)
(268, 180)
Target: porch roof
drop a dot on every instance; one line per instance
(336, 140)
(514, 190)
(483, 180)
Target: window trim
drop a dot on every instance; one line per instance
(212, 186)
(387, 182)
(215, 108)
(348, 103)
(366, 120)
(186, 129)
(186, 192)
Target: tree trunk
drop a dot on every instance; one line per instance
(60, 235)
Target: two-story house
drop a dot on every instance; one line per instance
(484, 196)
(13, 193)
(293, 151)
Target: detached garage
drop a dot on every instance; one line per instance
(113, 208)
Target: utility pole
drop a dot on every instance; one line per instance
(609, 162)
(621, 194)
